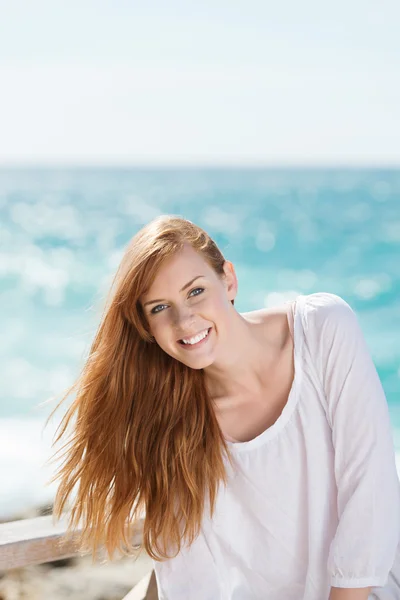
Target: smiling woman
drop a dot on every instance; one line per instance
(257, 445)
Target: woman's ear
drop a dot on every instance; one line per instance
(231, 282)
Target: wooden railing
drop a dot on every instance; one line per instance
(36, 541)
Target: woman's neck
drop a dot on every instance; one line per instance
(249, 356)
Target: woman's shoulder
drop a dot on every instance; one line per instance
(317, 311)
(325, 307)
(325, 316)
(324, 300)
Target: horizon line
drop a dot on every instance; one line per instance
(198, 165)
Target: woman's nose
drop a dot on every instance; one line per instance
(183, 318)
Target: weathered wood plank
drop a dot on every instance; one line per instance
(152, 593)
(36, 541)
(146, 589)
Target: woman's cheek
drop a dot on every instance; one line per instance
(160, 326)
(217, 304)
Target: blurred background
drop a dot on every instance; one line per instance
(275, 126)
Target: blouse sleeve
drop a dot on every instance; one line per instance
(363, 549)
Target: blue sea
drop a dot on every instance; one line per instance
(287, 231)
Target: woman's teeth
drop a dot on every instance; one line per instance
(197, 338)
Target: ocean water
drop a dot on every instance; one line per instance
(287, 231)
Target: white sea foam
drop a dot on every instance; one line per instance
(25, 446)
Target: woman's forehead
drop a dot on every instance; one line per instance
(183, 263)
(177, 273)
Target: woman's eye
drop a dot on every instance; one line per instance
(159, 307)
(154, 310)
(195, 290)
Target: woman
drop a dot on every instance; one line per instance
(258, 445)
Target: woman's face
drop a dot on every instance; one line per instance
(188, 307)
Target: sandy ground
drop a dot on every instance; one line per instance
(78, 580)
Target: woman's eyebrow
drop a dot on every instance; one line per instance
(188, 284)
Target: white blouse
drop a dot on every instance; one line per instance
(314, 500)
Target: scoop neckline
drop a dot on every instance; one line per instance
(293, 395)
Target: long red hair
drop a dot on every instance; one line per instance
(145, 440)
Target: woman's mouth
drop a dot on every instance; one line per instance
(195, 342)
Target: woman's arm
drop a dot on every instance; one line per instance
(349, 593)
(363, 548)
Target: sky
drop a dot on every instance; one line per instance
(212, 83)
